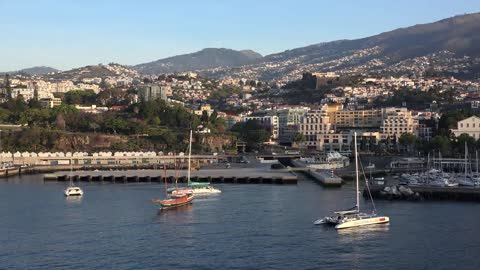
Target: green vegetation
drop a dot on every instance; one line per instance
(415, 98)
(251, 132)
(147, 125)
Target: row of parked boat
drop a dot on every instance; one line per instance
(437, 178)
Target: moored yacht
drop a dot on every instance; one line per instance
(73, 191)
(353, 217)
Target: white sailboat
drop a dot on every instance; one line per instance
(197, 188)
(353, 217)
(72, 190)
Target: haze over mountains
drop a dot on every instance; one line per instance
(40, 70)
(204, 59)
(450, 39)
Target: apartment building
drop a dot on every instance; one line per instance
(313, 124)
(150, 92)
(50, 102)
(397, 121)
(289, 120)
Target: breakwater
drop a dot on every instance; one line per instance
(425, 193)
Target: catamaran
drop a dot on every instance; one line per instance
(72, 190)
(197, 188)
(173, 200)
(353, 217)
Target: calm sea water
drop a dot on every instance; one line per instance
(115, 226)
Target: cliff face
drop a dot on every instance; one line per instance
(87, 142)
(216, 143)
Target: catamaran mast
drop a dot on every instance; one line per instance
(356, 171)
(466, 155)
(165, 177)
(476, 159)
(189, 156)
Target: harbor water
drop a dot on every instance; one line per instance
(115, 226)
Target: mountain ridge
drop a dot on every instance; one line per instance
(203, 59)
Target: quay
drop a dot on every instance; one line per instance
(325, 178)
(434, 193)
(234, 176)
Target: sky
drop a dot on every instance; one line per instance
(66, 34)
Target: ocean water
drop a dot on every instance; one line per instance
(115, 226)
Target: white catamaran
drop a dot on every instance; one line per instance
(353, 217)
(72, 190)
(197, 188)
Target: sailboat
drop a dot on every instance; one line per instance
(465, 181)
(72, 190)
(173, 200)
(198, 188)
(353, 217)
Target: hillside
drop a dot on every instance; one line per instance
(454, 37)
(204, 59)
(40, 70)
(95, 71)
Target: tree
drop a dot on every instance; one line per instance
(440, 143)
(462, 140)
(85, 97)
(298, 138)
(252, 132)
(408, 141)
(60, 122)
(8, 87)
(204, 117)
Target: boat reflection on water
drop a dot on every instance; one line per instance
(363, 233)
(180, 215)
(73, 199)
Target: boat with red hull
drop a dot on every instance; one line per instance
(175, 200)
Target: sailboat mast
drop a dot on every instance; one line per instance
(165, 177)
(356, 171)
(189, 156)
(466, 155)
(476, 159)
(176, 172)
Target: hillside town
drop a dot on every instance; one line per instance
(370, 106)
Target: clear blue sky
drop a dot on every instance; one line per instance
(70, 33)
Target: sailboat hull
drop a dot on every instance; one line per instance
(175, 201)
(363, 222)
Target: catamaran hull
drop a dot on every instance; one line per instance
(362, 222)
(197, 191)
(73, 191)
(205, 191)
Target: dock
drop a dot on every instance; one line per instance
(435, 193)
(326, 178)
(234, 176)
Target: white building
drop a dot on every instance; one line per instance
(289, 121)
(314, 124)
(397, 121)
(470, 126)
